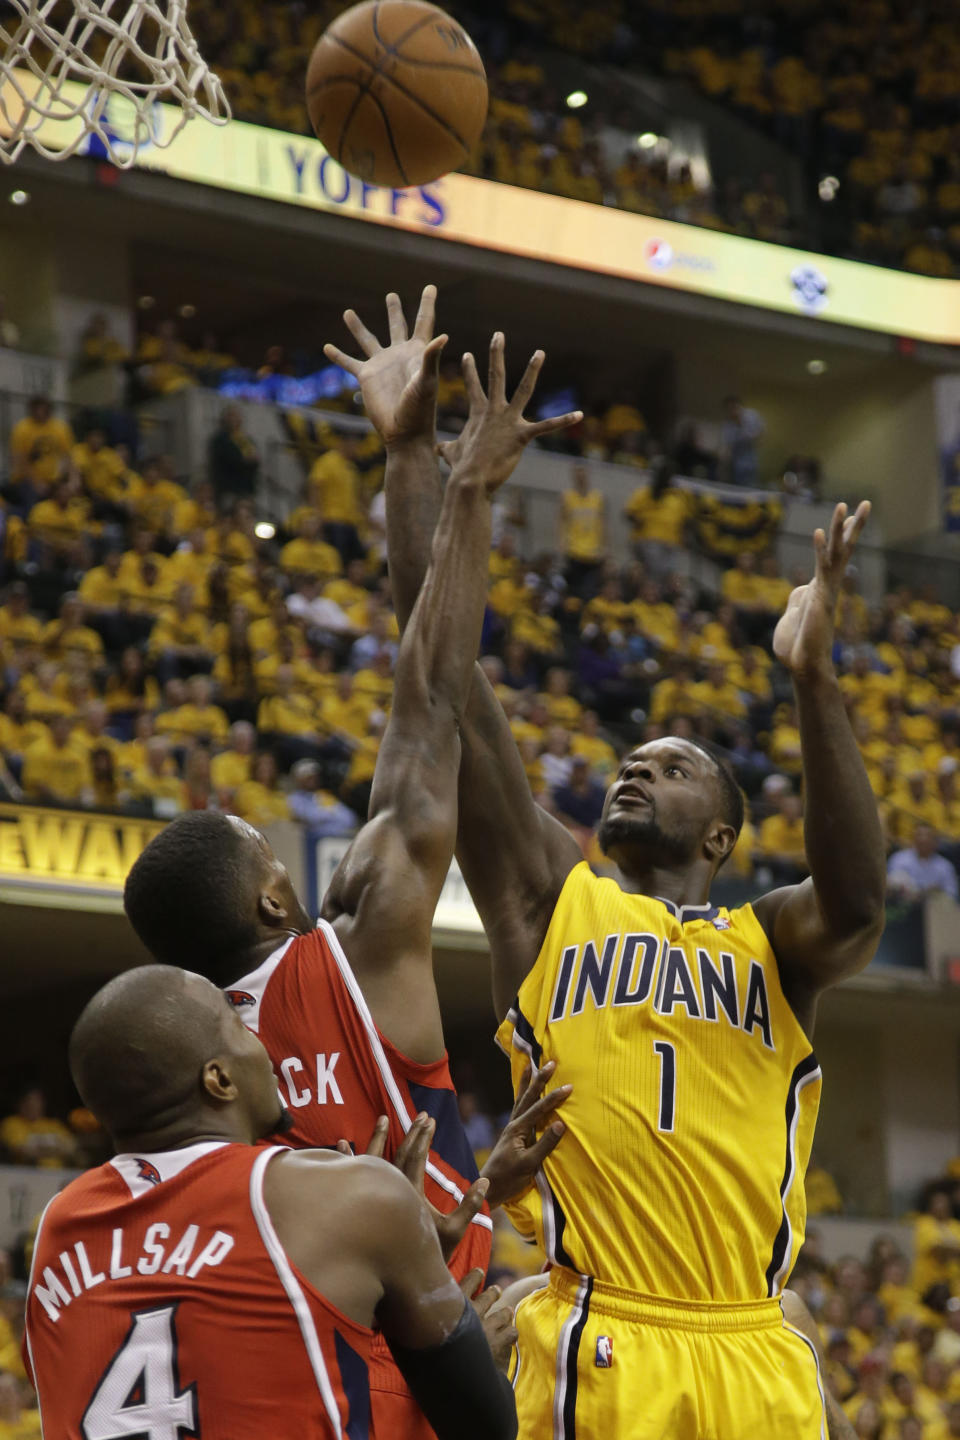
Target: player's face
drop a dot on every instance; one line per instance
(663, 802)
(273, 880)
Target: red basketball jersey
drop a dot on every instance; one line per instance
(162, 1305)
(338, 1074)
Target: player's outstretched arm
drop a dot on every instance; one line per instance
(377, 1258)
(384, 894)
(514, 856)
(827, 927)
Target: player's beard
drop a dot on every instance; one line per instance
(644, 831)
(285, 1124)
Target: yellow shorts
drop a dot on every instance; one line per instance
(593, 1361)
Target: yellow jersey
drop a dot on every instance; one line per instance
(695, 1097)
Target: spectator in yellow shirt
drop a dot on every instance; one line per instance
(68, 635)
(55, 771)
(101, 589)
(363, 760)
(511, 594)
(582, 532)
(608, 610)
(197, 718)
(774, 588)
(936, 1245)
(562, 708)
(375, 683)
(658, 516)
(590, 741)
(32, 1137)
(18, 628)
(351, 589)
(157, 780)
(308, 554)
(335, 485)
(345, 714)
(44, 691)
(537, 628)
(56, 524)
(742, 586)
(180, 640)
(102, 469)
(190, 564)
(288, 712)
(232, 766)
(39, 444)
(17, 729)
(785, 741)
(503, 557)
(780, 840)
(259, 800)
(656, 618)
(131, 691)
(195, 512)
(820, 1188)
(91, 732)
(915, 802)
(718, 697)
(674, 695)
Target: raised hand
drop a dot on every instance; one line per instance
(495, 1316)
(803, 639)
(518, 1154)
(399, 383)
(496, 434)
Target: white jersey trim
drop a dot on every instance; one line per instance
(777, 1282)
(254, 987)
(26, 1318)
(134, 1170)
(383, 1064)
(292, 1286)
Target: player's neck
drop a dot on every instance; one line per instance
(688, 885)
(179, 1134)
(250, 959)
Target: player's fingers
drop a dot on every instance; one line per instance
(548, 1141)
(430, 365)
(346, 362)
(547, 427)
(533, 1085)
(426, 315)
(471, 378)
(523, 392)
(378, 1140)
(365, 338)
(497, 381)
(819, 550)
(547, 1105)
(447, 450)
(853, 527)
(835, 538)
(455, 1225)
(344, 1147)
(396, 319)
(471, 1283)
(486, 1300)
(412, 1152)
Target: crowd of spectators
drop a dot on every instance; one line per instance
(865, 93)
(163, 650)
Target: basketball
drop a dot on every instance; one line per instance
(397, 92)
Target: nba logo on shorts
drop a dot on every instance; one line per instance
(604, 1352)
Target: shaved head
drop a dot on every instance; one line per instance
(160, 1054)
(138, 1049)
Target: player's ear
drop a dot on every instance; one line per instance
(719, 843)
(216, 1081)
(272, 910)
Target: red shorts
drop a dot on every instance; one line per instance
(394, 1414)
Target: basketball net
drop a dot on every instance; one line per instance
(74, 69)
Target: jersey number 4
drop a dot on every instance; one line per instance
(667, 1056)
(139, 1394)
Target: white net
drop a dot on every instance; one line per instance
(82, 75)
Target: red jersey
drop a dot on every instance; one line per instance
(162, 1305)
(338, 1074)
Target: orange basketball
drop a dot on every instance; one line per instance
(397, 92)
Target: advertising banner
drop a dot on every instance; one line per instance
(296, 170)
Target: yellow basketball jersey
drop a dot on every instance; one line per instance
(695, 1097)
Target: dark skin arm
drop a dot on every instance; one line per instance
(796, 1314)
(514, 857)
(827, 927)
(376, 1255)
(382, 899)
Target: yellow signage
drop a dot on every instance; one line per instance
(66, 848)
(297, 170)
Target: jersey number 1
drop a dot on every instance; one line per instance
(139, 1394)
(667, 1056)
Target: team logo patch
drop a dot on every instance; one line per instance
(604, 1357)
(239, 998)
(148, 1171)
(722, 923)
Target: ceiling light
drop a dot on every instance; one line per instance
(577, 99)
(648, 140)
(145, 302)
(816, 367)
(187, 312)
(828, 187)
(264, 530)
(19, 197)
